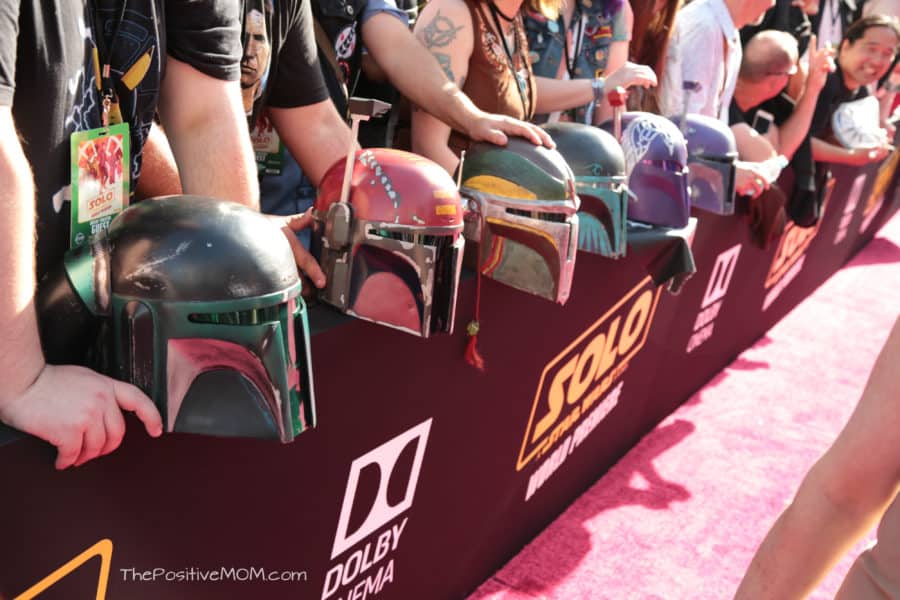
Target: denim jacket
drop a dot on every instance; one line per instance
(546, 43)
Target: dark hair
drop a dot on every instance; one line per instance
(859, 27)
(650, 40)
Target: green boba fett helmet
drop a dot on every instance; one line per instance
(200, 307)
(598, 163)
(522, 210)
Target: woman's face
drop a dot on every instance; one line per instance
(867, 59)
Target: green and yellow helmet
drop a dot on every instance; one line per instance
(522, 210)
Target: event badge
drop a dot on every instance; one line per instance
(267, 146)
(100, 179)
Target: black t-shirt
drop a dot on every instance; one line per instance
(341, 21)
(834, 93)
(784, 16)
(780, 107)
(47, 75)
(289, 75)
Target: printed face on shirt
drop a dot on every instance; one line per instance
(255, 61)
(867, 59)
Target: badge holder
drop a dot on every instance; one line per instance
(267, 146)
(100, 167)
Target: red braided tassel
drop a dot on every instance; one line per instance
(473, 357)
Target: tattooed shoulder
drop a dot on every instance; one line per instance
(440, 31)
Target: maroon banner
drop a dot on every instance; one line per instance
(423, 475)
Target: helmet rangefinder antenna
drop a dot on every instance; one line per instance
(617, 99)
(360, 109)
(689, 87)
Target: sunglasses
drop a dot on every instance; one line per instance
(791, 71)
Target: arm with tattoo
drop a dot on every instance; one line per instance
(426, 76)
(437, 35)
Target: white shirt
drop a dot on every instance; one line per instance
(696, 53)
(831, 29)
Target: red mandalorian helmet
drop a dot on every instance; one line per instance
(523, 203)
(392, 253)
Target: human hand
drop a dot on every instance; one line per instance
(864, 156)
(749, 181)
(306, 264)
(631, 74)
(890, 129)
(821, 63)
(79, 411)
(496, 129)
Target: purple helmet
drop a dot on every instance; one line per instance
(656, 163)
(712, 153)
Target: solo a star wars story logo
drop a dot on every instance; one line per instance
(876, 198)
(577, 388)
(791, 253)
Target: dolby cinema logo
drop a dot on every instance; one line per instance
(716, 289)
(381, 487)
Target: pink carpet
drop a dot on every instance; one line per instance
(680, 516)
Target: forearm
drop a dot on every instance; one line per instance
(827, 152)
(21, 358)
(830, 153)
(844, 494)
(805, 542)
(207, 130)
(793, 131)
(751, 146)
(559, 94)
(159, 173)
(315, 135)
(417, 74)
(429, 138)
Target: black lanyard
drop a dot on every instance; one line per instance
(104, 57)
(577, 36)
(520, 85)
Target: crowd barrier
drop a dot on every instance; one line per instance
(423, 475)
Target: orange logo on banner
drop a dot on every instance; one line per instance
(882, 179)
(794, 242)
(573, 381)
(103, 549)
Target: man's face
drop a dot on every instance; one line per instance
(867, 59)
(778, 78)
(256, 55)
